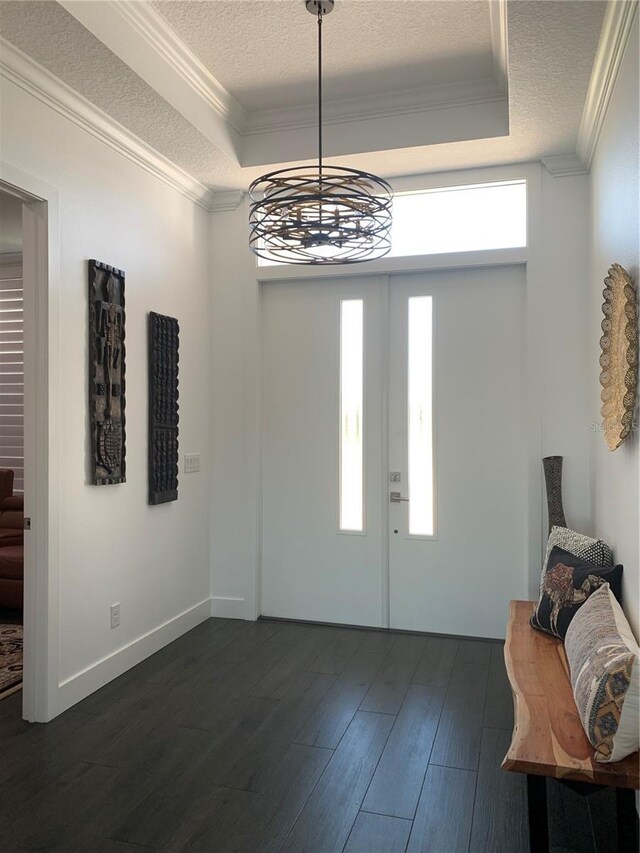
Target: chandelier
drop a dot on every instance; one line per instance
(320, 214)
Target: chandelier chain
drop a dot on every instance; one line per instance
(320, 90)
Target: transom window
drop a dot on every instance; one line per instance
(457, 219)
(460, 219)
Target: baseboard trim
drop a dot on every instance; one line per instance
(86, 682)
(228, 607)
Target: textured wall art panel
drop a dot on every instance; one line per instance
(107, 373)
(163, 408)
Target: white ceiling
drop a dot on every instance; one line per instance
(265, 53)
(225, 89)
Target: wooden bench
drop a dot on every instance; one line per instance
(548, 738)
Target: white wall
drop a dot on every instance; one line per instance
(235, 337)
(615, 193)
(563, 344)
(558, 376)
(113, 547)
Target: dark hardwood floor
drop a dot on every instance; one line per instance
(274, 736)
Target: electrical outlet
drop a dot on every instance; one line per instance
(115, 615)
(191, 463)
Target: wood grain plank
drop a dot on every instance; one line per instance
(218, 821)
(379, 642)
(548, 738)
(338, 652)
(397, 782)
(71, 799)
(328, 816)
(445, 812)
(265, 818)
(386, 694)
(284, 674)
(374, 833)
(287, 787)
(473, 651)
(247, 762)
(289, 633)
(457, 742)
(330, 719)
(498, 708)
(201, 702)
(500, 811)
(437, 662)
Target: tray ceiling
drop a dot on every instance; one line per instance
(226, 89)
(264, 54)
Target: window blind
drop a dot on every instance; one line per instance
(12, 370)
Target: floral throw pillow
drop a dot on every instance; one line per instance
(567, 582)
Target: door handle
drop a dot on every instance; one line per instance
(396, 498)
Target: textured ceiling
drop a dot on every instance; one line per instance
(552, 45)
(265, 53)
(45, 31)
(10, 224)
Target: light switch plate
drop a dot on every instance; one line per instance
(191, 463)
(115, 615)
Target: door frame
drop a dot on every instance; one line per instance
(41, 278)
(530, 256)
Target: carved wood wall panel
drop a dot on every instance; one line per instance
(163, 408)
(107, 373)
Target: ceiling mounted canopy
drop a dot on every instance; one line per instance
(319, 214)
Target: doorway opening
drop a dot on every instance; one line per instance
(11, 445)
(28, 358)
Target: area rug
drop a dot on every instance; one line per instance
(10, 659)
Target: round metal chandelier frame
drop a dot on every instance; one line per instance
(320, 214)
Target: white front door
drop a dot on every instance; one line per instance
(311, 569)
(440, 386)
(455, 564)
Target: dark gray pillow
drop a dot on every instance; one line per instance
(567, 582)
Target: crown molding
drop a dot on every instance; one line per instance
(616, 28)
(564, 165)
(499, 42)
(144, 40)
(144, 24)
(409, 102)
(30, 76)
(151, 25)
(226, 200)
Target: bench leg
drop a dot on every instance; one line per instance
(538, 820)
(627, 820)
